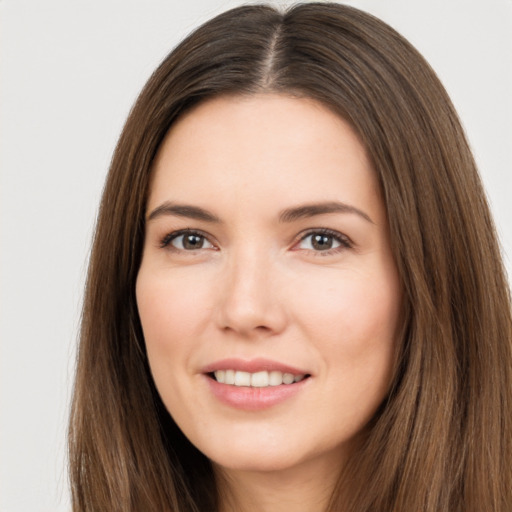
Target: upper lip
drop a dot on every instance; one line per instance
(252, 366)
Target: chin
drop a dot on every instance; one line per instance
(273, 456)
(251, 454)
(257, 463)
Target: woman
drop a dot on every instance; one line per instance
(295, 296)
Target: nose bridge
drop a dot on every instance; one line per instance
(249, 300)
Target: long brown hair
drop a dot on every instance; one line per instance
(442, 440)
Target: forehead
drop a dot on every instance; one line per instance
(267, 147)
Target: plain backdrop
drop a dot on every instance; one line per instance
(70, 70)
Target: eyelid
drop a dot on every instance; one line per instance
(165, 242)
(344, 240)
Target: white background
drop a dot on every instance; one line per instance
(70, 71)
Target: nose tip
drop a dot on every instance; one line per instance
(250, 304)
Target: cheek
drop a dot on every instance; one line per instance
(167, 316)
(170, 310)
(353, 324)
(353, 309)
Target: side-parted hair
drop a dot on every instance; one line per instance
(442, 439)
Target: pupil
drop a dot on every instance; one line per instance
(193, 242)
(322, 242)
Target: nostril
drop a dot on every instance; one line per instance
(263, 328)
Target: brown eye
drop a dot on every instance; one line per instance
(190, 242)
(320, 242)
(323, 241)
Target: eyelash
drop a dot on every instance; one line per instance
(167, 239)
(343, 240)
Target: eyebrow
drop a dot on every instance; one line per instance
(287, 215)
(310, 210)
(183, 210)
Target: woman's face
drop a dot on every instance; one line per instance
(268, 294)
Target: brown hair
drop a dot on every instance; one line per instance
(442, 441)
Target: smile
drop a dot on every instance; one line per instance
(256, 384)
(261, 379)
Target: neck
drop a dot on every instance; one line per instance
(301, 489)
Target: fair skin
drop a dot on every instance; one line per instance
(267, 253)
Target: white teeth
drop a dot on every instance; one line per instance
(275, 378)
(242, 379)
(261, 379)
(288, 378)
(230, 377)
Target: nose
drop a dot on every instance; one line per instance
(250, 299)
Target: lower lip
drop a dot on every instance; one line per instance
(254, 399)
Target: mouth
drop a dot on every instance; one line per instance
(255, 384)
(259, 379)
